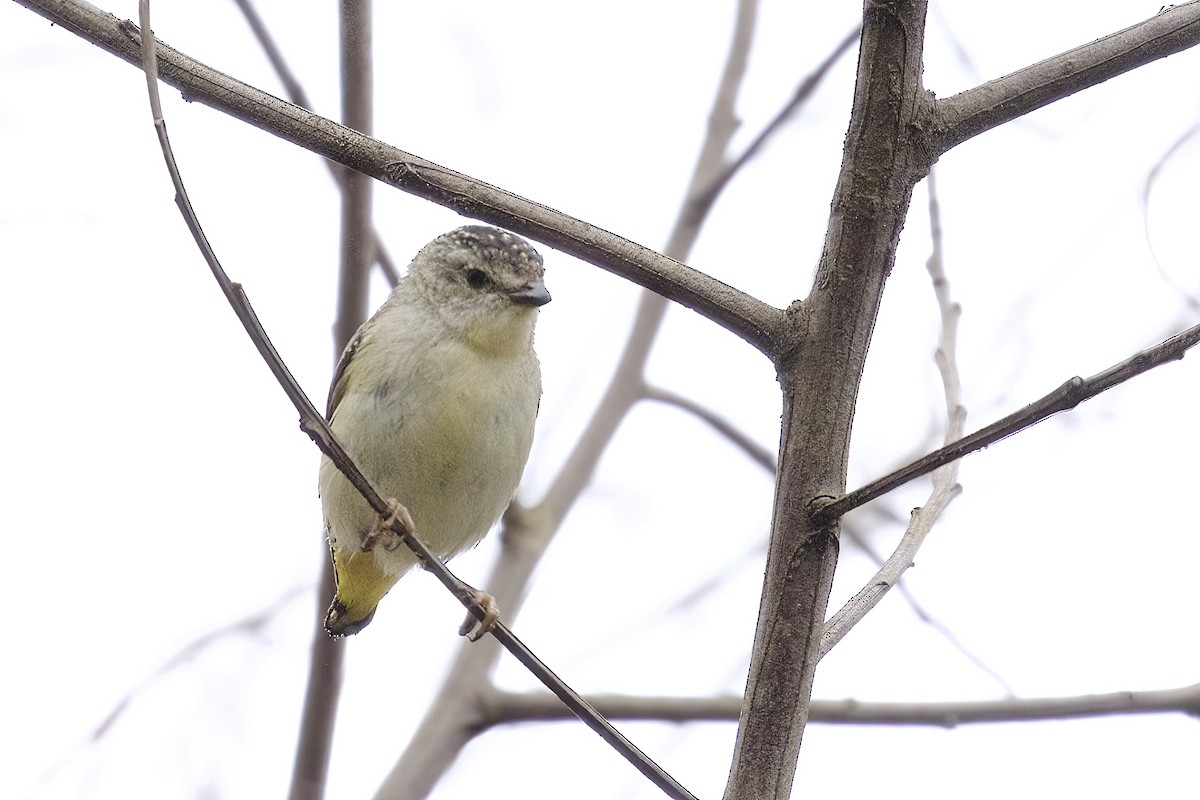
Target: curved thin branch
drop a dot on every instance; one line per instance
(1192, 300)
(315, 425)
(974, 111)
(764, 457)
(747, 317)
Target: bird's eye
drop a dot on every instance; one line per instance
(477, 278)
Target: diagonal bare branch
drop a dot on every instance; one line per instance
(296, 93)
(751, 319)
(1064, 398)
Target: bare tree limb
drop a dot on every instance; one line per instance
(974, 111)
(310, 767)
(1064, 398)
(508, 707)
(820, 366)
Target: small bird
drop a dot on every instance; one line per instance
(435, 397)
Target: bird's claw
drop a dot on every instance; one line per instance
(475, 629)
(384, 534)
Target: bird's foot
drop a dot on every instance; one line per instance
(473, 628)
(383, 534)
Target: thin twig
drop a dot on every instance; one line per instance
(945, 478)
(318, 429)
(760, 455)
(766, 459)
(251, 626)
(715, 170)
(1064, 398)
(1147, 187)
(803, 91)
(926, 617)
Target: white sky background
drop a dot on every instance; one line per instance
(156, 487)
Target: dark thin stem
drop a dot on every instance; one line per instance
(1064, 398)
(803, 91)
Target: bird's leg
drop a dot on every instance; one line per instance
(383, 535)
(475, 629)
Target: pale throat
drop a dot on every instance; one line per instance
(505, 334)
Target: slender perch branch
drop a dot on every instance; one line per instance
(1064, 398)
(315, 425)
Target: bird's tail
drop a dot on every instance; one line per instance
(361, 584)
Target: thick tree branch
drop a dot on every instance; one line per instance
(751, 319)
(974, 111)
(820, 367)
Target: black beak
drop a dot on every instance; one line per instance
(531, 294)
